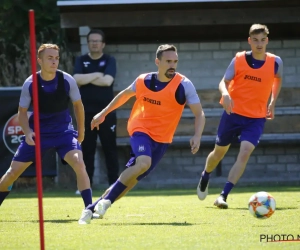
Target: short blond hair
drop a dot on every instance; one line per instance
(47, 46)
(258, 28)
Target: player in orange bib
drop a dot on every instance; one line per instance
(160, 100)
(251, 78)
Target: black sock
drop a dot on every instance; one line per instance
(227, 188)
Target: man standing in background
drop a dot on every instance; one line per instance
(94, 73)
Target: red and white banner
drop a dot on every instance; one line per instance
(11, 133)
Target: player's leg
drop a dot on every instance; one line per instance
(107, 133)
(102, 204)
(212, 161)
(158, 150)
(114, 192)
(139, 166)
(69, 149)
(239, 166)
(75, 159)
(235, 173)
(21, 160)
(12, 174)
(126, 181)
(141, 145)
(146, 155)
(88, 146)
(250, 134)
(129, 187)
(227, 131)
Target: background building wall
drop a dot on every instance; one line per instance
(203, 63)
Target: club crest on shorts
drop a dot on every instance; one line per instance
(141, 148)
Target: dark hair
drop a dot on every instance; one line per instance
(258, 28)
(96, 31)
(163, 48)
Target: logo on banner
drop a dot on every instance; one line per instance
(12, 133)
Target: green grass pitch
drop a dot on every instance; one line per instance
(156, 219)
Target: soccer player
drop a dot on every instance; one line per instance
(160, 100)
(55, 88)
(249, 81)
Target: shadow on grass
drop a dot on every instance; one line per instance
(263, 225)
(286, 208)
(45, 221)
(245, 208)
(230, 208)
(177, 224)
(59, 221)
(153, 192)
(212, 191)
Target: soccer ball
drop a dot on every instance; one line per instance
(262, 205)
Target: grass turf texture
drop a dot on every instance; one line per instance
(157, 219)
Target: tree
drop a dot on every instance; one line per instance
(14, 24)
(14, 34)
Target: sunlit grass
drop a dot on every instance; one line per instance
(156, 219)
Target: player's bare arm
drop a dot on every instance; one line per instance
(275, 92)
(23, 120)
(118, 101)
(79, 114)
(199, 126)
(83, 79)
(103, 80)
(227, 101)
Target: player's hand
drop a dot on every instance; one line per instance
(271, 111)
(227, 103)
(195, 144)
(80, 137)
(97, 120)
(29, 138)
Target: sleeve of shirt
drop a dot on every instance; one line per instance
(133, 86)
(230, 72)
(25, 98)
(78, 69)
(111, 67)
(74, 90)
(191, 94)
(279, 72)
